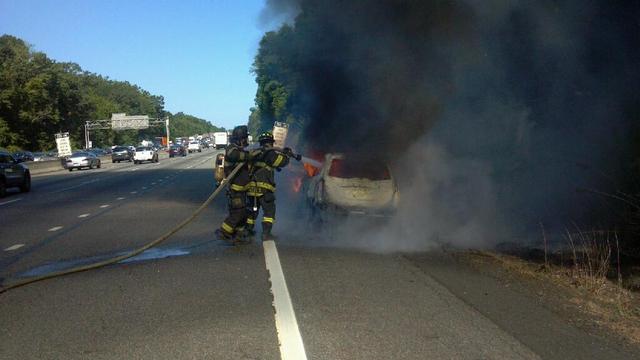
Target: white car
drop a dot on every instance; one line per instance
(194, 146)
(353, 186)
(82, 159)
(145, 153)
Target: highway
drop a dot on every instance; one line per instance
(195, 298)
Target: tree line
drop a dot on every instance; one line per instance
(40, 97)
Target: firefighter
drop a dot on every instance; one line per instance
(232, 229)
(262, 187)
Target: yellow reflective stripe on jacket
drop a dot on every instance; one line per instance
(278, 161)
(251, 221)
(266, 186)
(228, 228)
(267, 219)
(236, 187)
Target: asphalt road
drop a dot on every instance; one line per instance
(194, 298)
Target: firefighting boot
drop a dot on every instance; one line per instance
(242, 237)
(267, 235)
(223, 236)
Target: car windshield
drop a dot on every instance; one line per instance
(350, 169)
(80, 153)
(143, 148)
(120, 148)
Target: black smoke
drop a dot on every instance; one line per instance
(543, 97)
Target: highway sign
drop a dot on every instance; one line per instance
(63, 144)
(124, 122)
(280, 131)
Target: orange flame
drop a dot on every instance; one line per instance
(310, 169)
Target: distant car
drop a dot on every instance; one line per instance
(97, 152)
(121, 153)
(39, 156)
(145, 153)
(13, 174)
(194, 146)
(353, 186)
(177, 150)
(82, 159)
(23, 156)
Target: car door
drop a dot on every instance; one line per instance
(12, 171)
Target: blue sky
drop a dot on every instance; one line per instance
(197, 54)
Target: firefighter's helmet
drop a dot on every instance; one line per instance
(239, 133)
(266, 137)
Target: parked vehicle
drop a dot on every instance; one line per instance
(177, 150)
(121, 153)
(194, 146)
(13, 174)
(353, 186)
(82, 159)
(145, 153)
(23, 156)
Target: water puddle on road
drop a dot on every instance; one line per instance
(151, 254)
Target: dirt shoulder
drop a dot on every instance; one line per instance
(554, 320)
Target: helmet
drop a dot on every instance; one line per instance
(266, 137)
(239, 133)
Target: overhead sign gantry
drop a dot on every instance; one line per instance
(122, 121)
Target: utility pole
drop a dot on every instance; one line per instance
(167, 126)
(86, 136)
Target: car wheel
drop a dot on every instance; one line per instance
(113, 161)
(130, 160)
(90, 166)
(70, 169)
(3, 189)
(26, 184)
(99, 164)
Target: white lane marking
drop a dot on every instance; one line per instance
(291, 346)
(160, 180)
(121, 198)
(104, 206)
(134, 169)
(144, 188)
(14, 247)
(133, 192)
(76, 186)
(153, 183)
(55, 228)
(10, 201)
(83, 215)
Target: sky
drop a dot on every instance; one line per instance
(196, 54)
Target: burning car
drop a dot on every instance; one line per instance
(351, 185)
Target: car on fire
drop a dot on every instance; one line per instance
(82, 159)
(145, 153)
(353, 185)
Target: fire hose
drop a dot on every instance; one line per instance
(133, 253)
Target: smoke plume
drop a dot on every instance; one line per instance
(492, 113)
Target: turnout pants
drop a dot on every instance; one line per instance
(267, 202)
(237, 218)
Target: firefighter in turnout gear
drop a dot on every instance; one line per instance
(262, 187)
(232, 229)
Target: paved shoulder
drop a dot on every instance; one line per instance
(362, 306)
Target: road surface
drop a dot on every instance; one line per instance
(194, 298)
